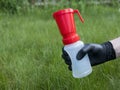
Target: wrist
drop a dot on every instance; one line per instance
(116, 46)
(109, 51)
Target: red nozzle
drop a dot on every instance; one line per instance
(76, 11)
(65, 21)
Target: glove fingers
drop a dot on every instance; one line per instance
(70, 67)
(66, 59)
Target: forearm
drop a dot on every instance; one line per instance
(116, 46)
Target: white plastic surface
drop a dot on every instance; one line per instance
(80, 68)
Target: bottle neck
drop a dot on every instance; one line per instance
(71, 38)
(74, 44)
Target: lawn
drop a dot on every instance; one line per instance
(30, 51)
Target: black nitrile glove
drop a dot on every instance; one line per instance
(98, 54)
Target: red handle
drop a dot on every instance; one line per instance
(76, 11)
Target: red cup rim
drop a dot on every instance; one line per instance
(68, 10)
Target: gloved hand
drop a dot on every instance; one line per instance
(98, 54)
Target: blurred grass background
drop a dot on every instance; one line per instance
(30, 50)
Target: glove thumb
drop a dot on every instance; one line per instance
(86, 49)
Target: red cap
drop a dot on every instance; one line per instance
(65, 21)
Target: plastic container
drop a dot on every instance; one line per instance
(71, 40)
(80, 68)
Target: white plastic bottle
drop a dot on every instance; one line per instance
(80, 68)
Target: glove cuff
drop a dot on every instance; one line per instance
(109, 51)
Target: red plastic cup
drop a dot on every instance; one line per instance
(65, 21)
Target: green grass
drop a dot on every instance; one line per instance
(30, 52)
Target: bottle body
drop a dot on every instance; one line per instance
(80, 68)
